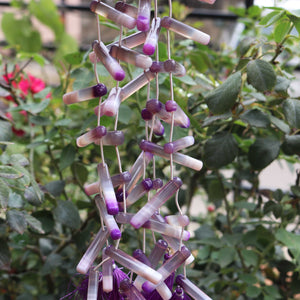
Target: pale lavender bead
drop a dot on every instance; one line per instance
(152, 37)
(88, 93)
(180, 118)
(92, 292)
(107, 273)
(191, 289)
(185, 30)
(123, 218)
(127, 9)
(130, 56)
(107, 189)
(171, 106)
(118, 179)
(178, 220)
(136, 84)
(133, 264)
(141, 256)
(139, 191)
(178, 158)
(170, 265)
(91, 136)
(143, 15)
(158, 128)
(177, 69)
(114, 15)
(166, 192)
(112, 66)
(93, 250)
(157, 252)
(132, 40)
(110, 106)
(112, 138)
(157, 183)
(108, 219)
(129, 290)
(179, 144)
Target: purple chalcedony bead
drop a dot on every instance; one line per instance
(157, 183)
(148, 49)
(142, 24)
(100, 131)
(115, 234)
(155, 67)
(154, 106)
(169, 148)
(119, 195)
(171, 106)
(147, 184)
(146, 114)
(99, 90)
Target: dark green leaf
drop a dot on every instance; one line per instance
(291, 110)
(34, 223)
(204, 232)
(211, 119)
(220, 150)
(67, 214)
(261, 75)
(256, 118)
(4, 193)
(248, 278)
(5, 131)
(253, 291)
(226, 256)
(80, 172)
(35, 108)
(282, 84)
(33, 196)
(281, 30)
(15, 200)
(245, 205)
(280, 124)
(272, 17)
(39, 120)
(223, 98)
(55, 187)
(200, 60)
(10, 172)
(67, 157)
(263, 151)
(73, 58)
(83, 78)
(4, 255)
(16, 220)
(46, 219)
(291, 145)
(53, 261)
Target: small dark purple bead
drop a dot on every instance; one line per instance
(169, 148)
(119, 195)
(126, 176)
(162, 244)
(147, 184)
(99, 90)
(157, 183)
(171, 106)
(155, 67)
(146, 114)
(153, 105)
(120, 6)
(169, 65)
(100, 131)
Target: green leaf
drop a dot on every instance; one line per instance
(125, 114)
(223, 98)
(4, 193)
(256, 118)
(35, 108)
(34, 223)
(187, 80)
(291, 110)
(5, 131)
(83, 78)
(80, 172)
(248, 278)
(4, 255)
(67, 157)
(16, 220)
(291, 240)
(250, 257)
(271, 17)
(262, 152)
(66, 44)
(18, 159)
(220, 150)
(295, 20)
(211, 119)
(67, 214)
(281, 30)
(15, 200)
(282, 84)
(253, 291)
(226, 256)
(39, 120)
(280, 124)
(55, 187)
(53, 262)
(33, 196)
(10, 172)
(74, 58)
(261, 75)
(46, 219)
(291, 145)
(200, 60)
(35, 56)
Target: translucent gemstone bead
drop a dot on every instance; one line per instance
(157, 183)
(185, 30)
(126, 9)
(168, 66)
(88, 93)
(171, 106)
(146, 114)
(139, 191)
(143, 15)
(91, 136)
(130, 291)
(154, 106)
(92, 292)
(178, 220)
(131, 41)
(112, 138)
(141, 256)
(107, 273)
(110, 106)
(179, 144)
(152, 37)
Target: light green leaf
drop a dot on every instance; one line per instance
(67, 157)
(250, 257)
(222, 99)
(67, 214)
(187, 80)
(15, 200)
(83, 78)
(261, 75)
(271, 17)
(280, 124)
(253, 291)
(55, 187)
(281, 30)
(16, 220)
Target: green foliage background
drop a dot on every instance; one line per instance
(242, 117)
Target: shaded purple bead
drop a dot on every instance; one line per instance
(154, 106)
(99, 90)
(142, 23)
(169, 65)
(169, 148)
(126, 176)
(119, 195)
(155, 67)
(147, 184)
(157, 183)
(171, 106)
(141, 256)
(100, 131)
(146, 114)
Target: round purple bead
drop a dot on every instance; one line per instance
(169, 65)
(115, 234)
(147, 184)
(169, 148)
(171, 106)
(157, 183)
(100, 131)
(126, 176)
(99, 90)
(146, 114)
(153, 105)
(155, 67)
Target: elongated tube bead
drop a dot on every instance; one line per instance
(166, 192)
(179, 144)
(168, 66)
(190, 288)
(130, 291)
(92, 292)
(108, 219)
(91, 136)
(93, 250)
(130, 56)
(185, 30)
(111, 65)
(141, 256)
(152, 37)
(132, 40)
(114, 15)
(107, 273)
(139, 191)
(112, 138)
(127, 9)
(178, 220)
(118, 179)
(169, 266)
(143, 15)
(136, 84)
(107, 189)
(178, 158)
(88, 93)
(208, 1)
(133, 264)
(111, 105)
(158, 128)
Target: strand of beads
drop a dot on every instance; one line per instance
(154, 278)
